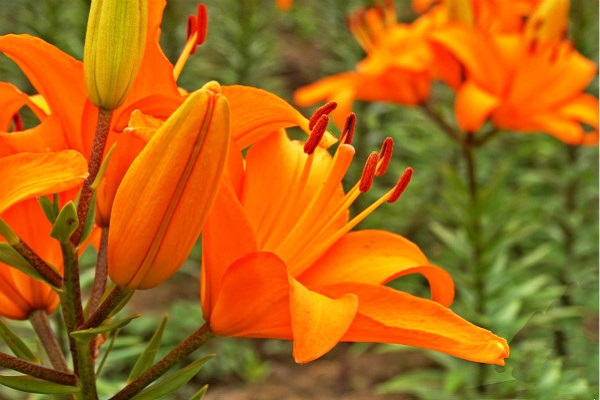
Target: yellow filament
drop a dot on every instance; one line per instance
(185, 54)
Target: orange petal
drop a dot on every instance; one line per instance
(26, 175)
(56, 76)
(167, 192)
(377, 257)
(477, 52)
(227, 236)
(253, 300)
(473, 105)
(386, 315)
(47, 136)
(318, 322)
(256, 113)
(11, 101)
(275, 166)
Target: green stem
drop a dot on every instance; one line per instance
(35, 370)
(41, 324)
(86, 370)
(101, 273)
(112, 302)
(569, 234)
(95, 161)
(187, 347)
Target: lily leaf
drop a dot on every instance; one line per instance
(172, 382)
(49, 208)
(66, 223)
(87, 334)
(18, 347)
(34, 385)
(146, 359)
(9, 256)
(200, 393)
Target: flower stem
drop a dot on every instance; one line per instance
(85, 197)
(35, 370)
(111, 303)
(41, 324)
(187, 347)
(101, 272)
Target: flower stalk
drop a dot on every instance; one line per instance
(187, 347)
(37, 371)
(41, 324)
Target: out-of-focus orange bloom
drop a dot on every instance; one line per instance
(25, 176)
(163, 200)
(279, 260)
(400, 65)
(503, 16)
(284, 4)
(523, 84)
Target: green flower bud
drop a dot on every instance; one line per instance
(114, 47)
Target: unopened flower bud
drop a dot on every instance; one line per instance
(164, 198)
(114, 47)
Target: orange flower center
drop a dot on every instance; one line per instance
(319, 225)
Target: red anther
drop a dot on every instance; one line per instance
(202, 23)
(17, 122)
(323, 110)
(317, 134)
(348, 130)
(368, 173)
(197, 24)
(401, 185)
(385, 156)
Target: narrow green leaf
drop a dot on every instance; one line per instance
(18, 347)
(87, 334)
(172, 382)
(103, 167)
(200, 393)
(11, 257)
(66, 223)
(146, 359)
(48, 208)
(34, 385)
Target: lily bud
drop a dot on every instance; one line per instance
(164, 198)
(114, 47)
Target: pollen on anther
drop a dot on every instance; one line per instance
(385, 156)
(17, 122)
(368, 173)
(348, 130)
(401, 185)
(323, 110)
(316, 135)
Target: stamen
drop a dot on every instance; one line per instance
(348, 130)
(17, 122)
(368, 174)
(323, 110)
(401, 185)
(385, 156)
(195, 35)
(317, 133)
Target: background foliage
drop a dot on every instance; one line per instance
(538, 209)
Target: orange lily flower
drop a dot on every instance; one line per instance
(25, 176)
(279, 260)
(521, 86)
(284, 4)
(399, 67)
